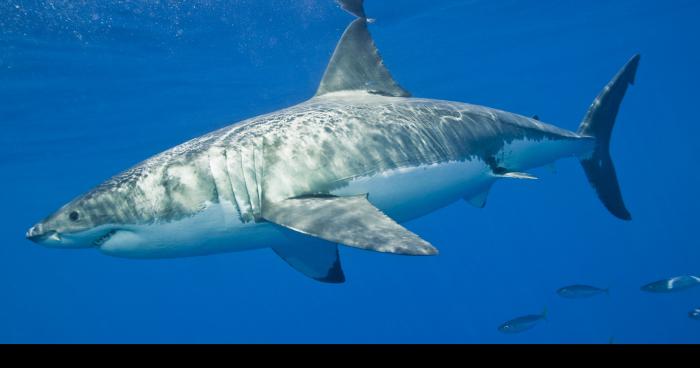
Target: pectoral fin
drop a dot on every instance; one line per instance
(314, 258)
(351, 221)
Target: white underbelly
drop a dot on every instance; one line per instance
(216, 229)
(408, 193)
(403, 194)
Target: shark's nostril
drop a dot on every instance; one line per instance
(32, 232)
(37, 234)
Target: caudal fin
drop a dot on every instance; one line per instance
(355, 7)
(598, 124)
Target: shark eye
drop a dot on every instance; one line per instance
(74, 216)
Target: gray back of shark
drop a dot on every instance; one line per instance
(345, 167)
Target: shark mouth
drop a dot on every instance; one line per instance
(103, 239)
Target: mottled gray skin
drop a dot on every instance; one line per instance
(673, 284)
(345, 167)
(521, 324)
(580, 291)
(315, 147)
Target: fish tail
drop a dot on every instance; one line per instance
(544, 313)
(355, 7)
(598, 124)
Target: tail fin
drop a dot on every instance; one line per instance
(544, 313)
(355, 7)
(598, 123)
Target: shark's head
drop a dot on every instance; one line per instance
(86, 221)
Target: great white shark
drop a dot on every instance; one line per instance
(345, 167)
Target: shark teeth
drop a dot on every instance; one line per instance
(101, 240)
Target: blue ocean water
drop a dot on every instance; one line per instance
(90, 88)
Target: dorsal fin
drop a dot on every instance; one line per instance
(357, 66)
(354, 7)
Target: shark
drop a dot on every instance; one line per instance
(346, 167)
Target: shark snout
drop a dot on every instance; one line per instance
(38, 234)
(35, 233)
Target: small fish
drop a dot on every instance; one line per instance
(694, 314)
(523, 323)
(580, 291)
(672, 284)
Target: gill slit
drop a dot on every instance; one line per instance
(227, 175)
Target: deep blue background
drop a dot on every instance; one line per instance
(88, 90)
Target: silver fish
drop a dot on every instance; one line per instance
(580, 291)
(523, 323)
(673, 284)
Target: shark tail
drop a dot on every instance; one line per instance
(598, 124)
